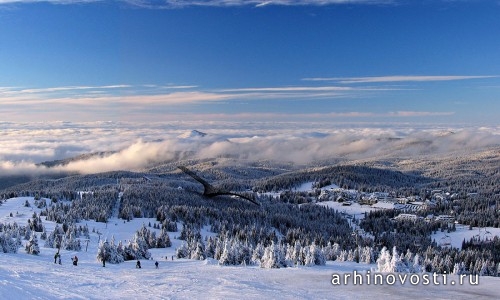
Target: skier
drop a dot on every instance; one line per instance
(104, 263)
(75, 260)
(156, 264)
(56, 256)
(60, 259)
(138, 265)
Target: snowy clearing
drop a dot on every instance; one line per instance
(455, 238)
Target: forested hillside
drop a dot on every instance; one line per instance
(289, 227)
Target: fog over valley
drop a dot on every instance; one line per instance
(135, 146)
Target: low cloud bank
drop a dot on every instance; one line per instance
(140, 148)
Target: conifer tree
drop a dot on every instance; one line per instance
(227, 257)
(384, 261)
(32, 245)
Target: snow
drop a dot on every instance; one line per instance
(307, 187)
(304, 187)
(24, 276)
(28, 277)
(383, 205)
(353, 210)
(463, 232)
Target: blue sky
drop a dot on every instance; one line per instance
(329, 60)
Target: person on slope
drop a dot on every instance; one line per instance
(138, 265)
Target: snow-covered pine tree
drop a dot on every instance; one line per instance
(417, 265)
(182, 251)
(43, 235)
(342, 255)
(8, 244)
(199, 252)
(103, 251)
(107, 251)
(163, 240)
(115, 253)
(290, 260)
(484, 268)
(308, 257)
(447, 264)
(317, 254)
(397, 264)
(210, 247)
(55, 238)
(459, 268)
(257, 254)
(151, 239)
(243, 254)
(137, 248)
(27, 233)
(329, 251)
(384, 261)
(351, 255)
(366, 255)
(408, 259)
(32, 245)
(228, 254)
(219, 247)
(272, 258)
(120, 251)
(298, 258)
(71, 243)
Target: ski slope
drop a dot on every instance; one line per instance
(24, 276)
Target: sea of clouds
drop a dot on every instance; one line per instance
(134, 146)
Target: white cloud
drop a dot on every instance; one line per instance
(178, 87)
(49, 1)
(261, 4)
(69, 88)
(168, 102)
(134, 146)
(216, 3)
(54, 103)
(400, 78)
(420, 113)
(255, 3)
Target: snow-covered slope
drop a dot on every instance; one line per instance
(28, 277)
(25, 276)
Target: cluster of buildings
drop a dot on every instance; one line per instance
(430, 218)
(384, 200)
(409, 203)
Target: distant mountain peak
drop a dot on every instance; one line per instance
(192, 134)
